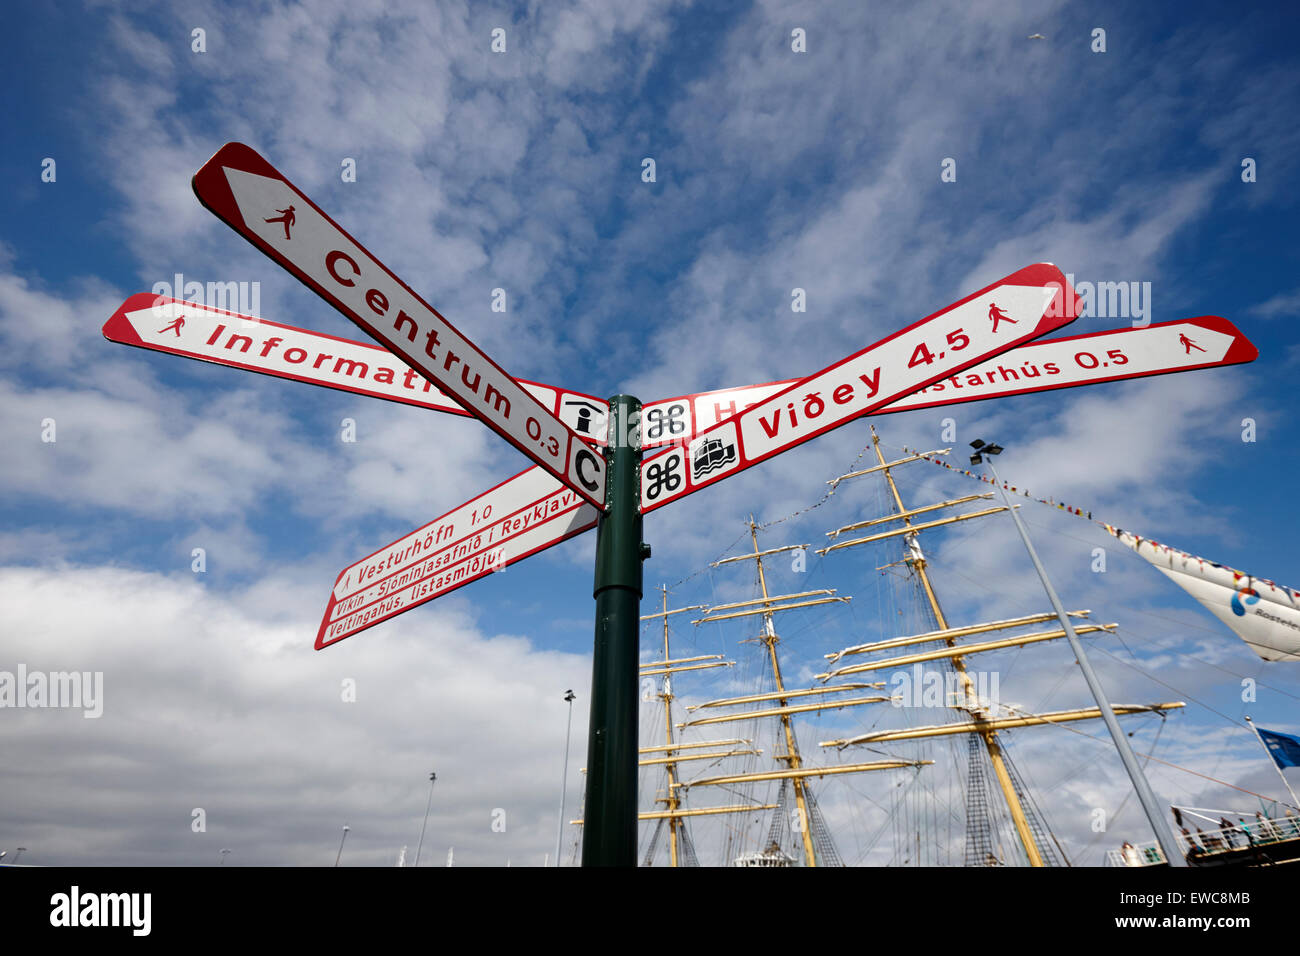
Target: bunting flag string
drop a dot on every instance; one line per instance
(1050, 502)
(1138, 541)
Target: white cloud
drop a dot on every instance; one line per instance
(208, 703)
(1284, 304)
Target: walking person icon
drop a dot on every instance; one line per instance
(997, 315)
(286, 216)
(1188, 344)
(175, 325)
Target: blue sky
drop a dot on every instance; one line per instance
(522, 170)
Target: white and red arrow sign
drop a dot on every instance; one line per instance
(1023, 306)
(1207, 341)
(258, 202)
(197, 331)
(1039, 367)
(519, 517)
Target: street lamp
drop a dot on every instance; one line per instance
(420, 845)
(346, 828)
(224, 853)
(568, 730)
(1164, 835)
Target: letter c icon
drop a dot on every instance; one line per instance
(582, 457)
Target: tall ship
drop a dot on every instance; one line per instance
(773, 734)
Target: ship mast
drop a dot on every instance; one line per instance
(984, 718)
(672, 750)
(787, 701)
(916, 560)
(791, 755)
(666, 695)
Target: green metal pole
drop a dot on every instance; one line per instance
(609, 827)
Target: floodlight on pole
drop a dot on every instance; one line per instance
(346, 828)
(1164, 834)
(420, 845)
(564, 780)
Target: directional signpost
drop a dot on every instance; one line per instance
(533, 511)
(981, 347)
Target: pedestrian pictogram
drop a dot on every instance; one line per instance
(175, 325)
(997, 315)
(286, 216)
(1188, 344)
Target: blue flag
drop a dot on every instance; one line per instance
(1284, 748)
